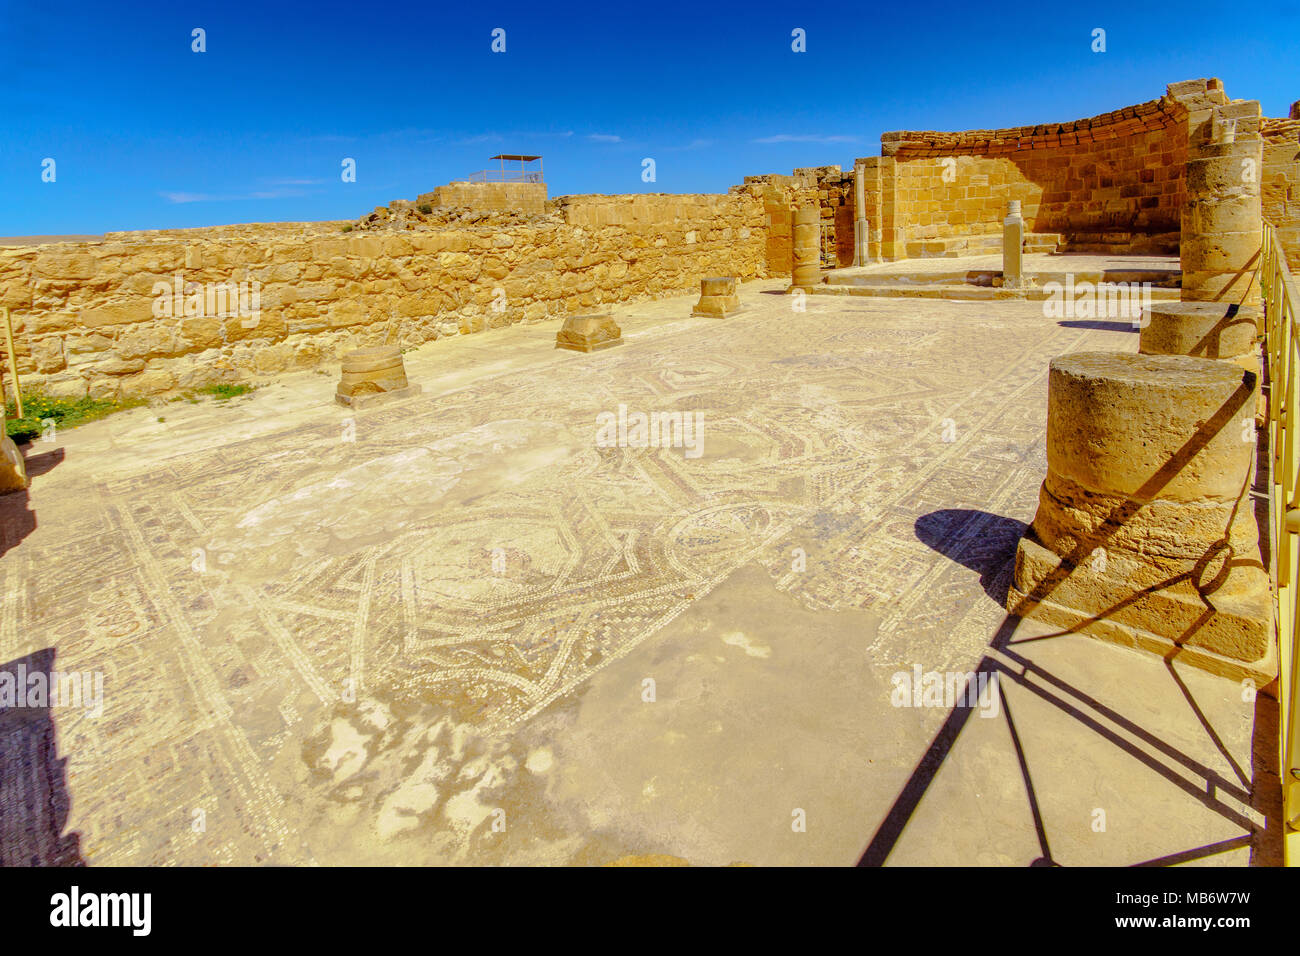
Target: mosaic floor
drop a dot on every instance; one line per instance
(327, 639)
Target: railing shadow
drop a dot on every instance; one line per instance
(34, 800)
(950, 533)
(1242, 280)
(1208, 346)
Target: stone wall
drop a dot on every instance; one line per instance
(1280, 183)
(87, 315)
(1109, 183)
(529, 198)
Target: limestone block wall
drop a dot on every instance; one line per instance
(529, 198)
(89, 318)
(1280, 183)
(1109, 183)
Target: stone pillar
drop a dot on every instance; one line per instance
(807, 270)
(1013, 244)
(1221, 229)
(718, 298)
(1145, 534)
(861, 237)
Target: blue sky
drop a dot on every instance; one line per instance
(146, 133)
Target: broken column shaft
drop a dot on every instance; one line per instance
(1013, 243)
(1222, 226)
(807, 248)
(861, 237)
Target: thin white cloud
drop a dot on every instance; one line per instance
(189, 197)
(184, 197)
(788, 138)
(481, 138)
(295, 182)
(604, 138)
(693, 144)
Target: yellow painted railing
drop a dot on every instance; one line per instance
(1282, 342)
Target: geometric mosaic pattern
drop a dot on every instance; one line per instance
(479, 552)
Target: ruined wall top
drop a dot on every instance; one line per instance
(1151, 115)
(1280, 130)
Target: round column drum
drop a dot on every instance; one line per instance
(372, 370)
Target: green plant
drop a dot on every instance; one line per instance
(22, 429)
(224, 390)
(40, 409)
(425, 208)
(348, 227)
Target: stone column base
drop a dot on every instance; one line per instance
(1085, 601)
(589, 333)
(362, 400)
(13, 468)
(372, 373)
(1145, 532)
(718, 298)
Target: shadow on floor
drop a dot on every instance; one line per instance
(1198, 782)
(17, 520)
(976, 539)
(1098, 324)
(34, 801)
(986, 543)
(43, 462)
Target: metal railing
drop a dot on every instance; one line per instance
(1282, 342)
(501, 176)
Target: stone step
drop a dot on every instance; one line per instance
(1159, 278)
(982, 244)
(1046, 242)
(1121, 243)
(964, 291)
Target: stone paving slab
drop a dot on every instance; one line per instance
(459, 628)
(1034, 262)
